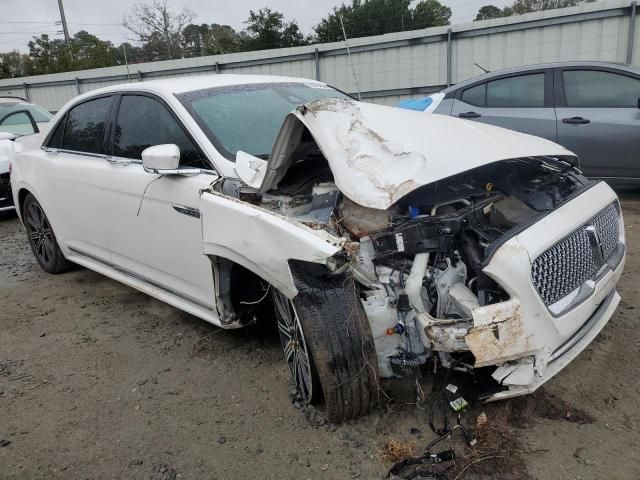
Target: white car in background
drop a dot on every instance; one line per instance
(18, 117)
(383, 239)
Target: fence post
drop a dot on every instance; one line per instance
(316, 56)
(77, 85)
(26, 91)
(139, 75)
(632, 31)
(217, 67)
(449, 59)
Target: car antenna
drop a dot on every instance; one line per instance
(353, 67)
(482, 68)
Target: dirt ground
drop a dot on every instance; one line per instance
(98, 381)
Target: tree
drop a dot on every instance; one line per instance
(520, 7)
(14, 64)
(157, 24)
(430, 13)
(267, 28)
(375, 17)
(88, 51)
(489, 11)
(222, 39)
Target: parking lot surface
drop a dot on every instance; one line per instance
(100, 381)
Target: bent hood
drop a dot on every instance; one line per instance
(379, 154)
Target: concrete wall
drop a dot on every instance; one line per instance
(394, 66)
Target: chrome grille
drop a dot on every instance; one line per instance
(572, 261)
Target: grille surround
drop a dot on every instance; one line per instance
(573, 260)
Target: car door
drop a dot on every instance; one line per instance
(522, 102)
(154, 230)
(73, 178)
(599, 120)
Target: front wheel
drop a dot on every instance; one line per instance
(328, 345)
(42, 239)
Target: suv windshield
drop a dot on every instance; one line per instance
(248, 117)
(39, 114)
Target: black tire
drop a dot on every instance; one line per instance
(337, 335)
(42, 239)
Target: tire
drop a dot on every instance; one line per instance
(42, 239)
(335, 334)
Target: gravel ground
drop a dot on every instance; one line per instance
(100, 381)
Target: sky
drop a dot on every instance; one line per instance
(20, 20)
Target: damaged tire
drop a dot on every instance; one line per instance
(42, 239)
(328, 344)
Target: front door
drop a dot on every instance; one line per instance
(599, 120)
(154, 224)
(521, 102)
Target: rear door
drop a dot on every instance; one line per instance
(522, 102)
(74, 175)
(599, 120)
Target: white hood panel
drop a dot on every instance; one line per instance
(379, 154)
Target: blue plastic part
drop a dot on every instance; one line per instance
(413, 212)
(419, 105)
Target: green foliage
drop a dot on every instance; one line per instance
(375, 17)
(267, 28)
(520, 7)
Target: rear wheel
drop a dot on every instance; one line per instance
(328, 345)
(42, 239)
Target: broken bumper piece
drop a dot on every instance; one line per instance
(520, 376)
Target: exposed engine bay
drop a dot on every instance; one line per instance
(420, 262)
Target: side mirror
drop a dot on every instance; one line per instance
(8, 136)
(165, 160)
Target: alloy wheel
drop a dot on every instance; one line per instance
(40, 233)
(294, 346)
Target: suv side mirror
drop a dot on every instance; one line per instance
(8, 136)
(165, 160)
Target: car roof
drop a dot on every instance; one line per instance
(176, 85)
(527, 68)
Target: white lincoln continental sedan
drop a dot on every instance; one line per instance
(382, 239)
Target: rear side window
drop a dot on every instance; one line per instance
(520, 91)
(592, 88)
(85, 125)
(143, 122)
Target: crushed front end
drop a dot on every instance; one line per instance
(511, 266)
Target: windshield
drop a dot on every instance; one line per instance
(39, 114)
(248, 117)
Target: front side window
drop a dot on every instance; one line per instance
(520, 91)
(85, 125)
(593, 88)
(143, 122)
(248, 117)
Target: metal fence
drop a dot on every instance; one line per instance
(393, 66)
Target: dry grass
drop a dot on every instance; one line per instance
(396, 451)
